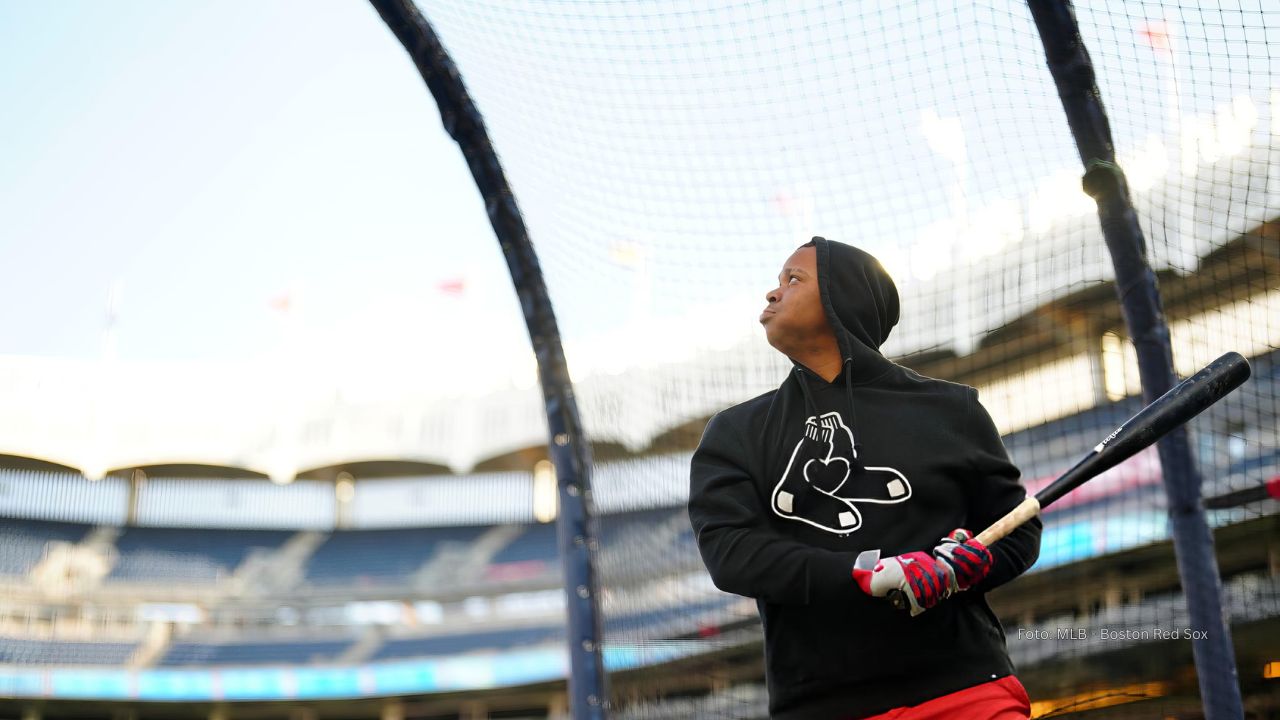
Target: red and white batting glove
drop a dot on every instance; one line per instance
(967, 559)
(922, 579)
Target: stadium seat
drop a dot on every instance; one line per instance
(375, 557)
(187, 555)
(290, 652)
(23, 542)
(19, 651)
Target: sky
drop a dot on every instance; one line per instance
(222, 181)
(184, 158)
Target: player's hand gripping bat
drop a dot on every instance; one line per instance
(1186, 400)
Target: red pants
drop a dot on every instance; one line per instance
(1003, 699)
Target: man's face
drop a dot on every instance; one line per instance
(794, 314)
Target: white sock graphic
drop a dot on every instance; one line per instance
(819, 486)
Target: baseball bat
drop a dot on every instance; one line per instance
(1186, 400)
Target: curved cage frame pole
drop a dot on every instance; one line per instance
(1139, 296)
(570, 454)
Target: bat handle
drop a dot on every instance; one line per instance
(1024, 511)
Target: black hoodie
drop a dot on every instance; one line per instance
(787, 488)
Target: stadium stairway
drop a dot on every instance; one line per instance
(77, 566)
(276, 571)
(658, 540)
(363, 649)
(101, 539)
(464, 566)
(152, 648)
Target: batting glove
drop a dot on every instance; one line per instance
(967, 560)
(918, 577)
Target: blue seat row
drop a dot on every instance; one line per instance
(290, 652)
(18, 651)
(23, 543)
(366, 557)
(187, 554)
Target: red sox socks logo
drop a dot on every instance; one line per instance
(821, 486)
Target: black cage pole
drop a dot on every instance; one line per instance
(1139, 297)
(570, 454)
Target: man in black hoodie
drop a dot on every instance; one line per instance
(854, 452)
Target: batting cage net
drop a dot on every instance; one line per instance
(667, 158)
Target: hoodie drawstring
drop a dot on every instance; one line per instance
(811, 408)
(855, 463)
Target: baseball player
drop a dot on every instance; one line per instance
(853, 452)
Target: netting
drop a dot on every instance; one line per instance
(668, 159)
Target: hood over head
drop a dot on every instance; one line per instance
(861, 302)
